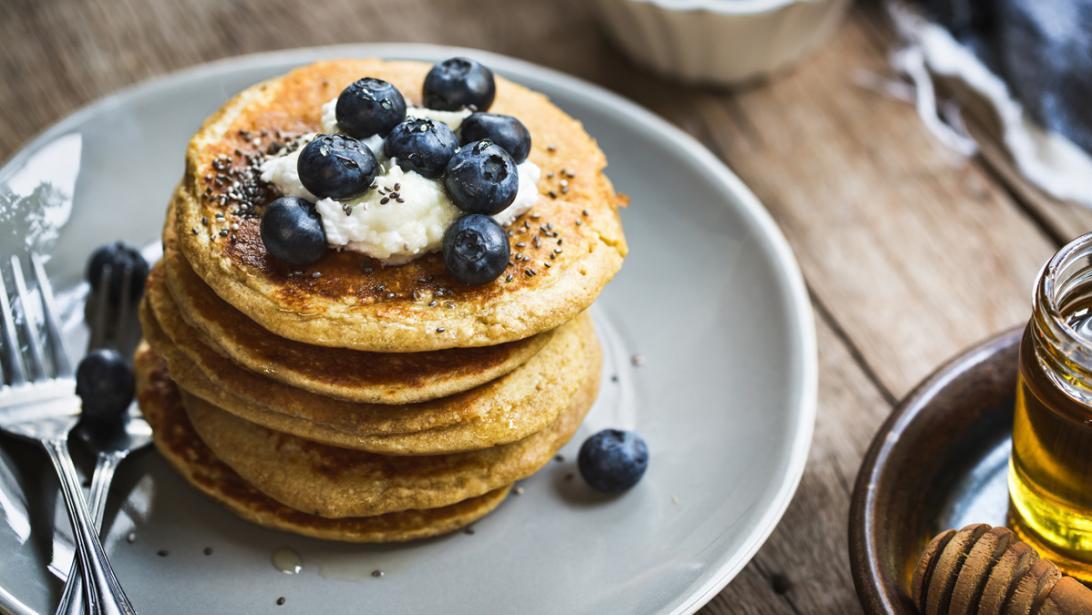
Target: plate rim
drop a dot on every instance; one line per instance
(791, 283)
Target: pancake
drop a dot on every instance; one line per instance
(505, 410)
(336, 482)
(353, 375)
(570, 244)
(177, 442)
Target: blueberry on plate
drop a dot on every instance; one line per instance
(105, 384)
(475, 249)
(481, 178)
(504, 130)
(458, 83)
(421, 145)
(369, 107)
(337, 167)
(613, 460)
(292, 231)
(118, 256)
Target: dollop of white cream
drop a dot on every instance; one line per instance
(280, 170)
(397, 231)
(394, 231)
(529, 174)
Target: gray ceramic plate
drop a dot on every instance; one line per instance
(711, 355)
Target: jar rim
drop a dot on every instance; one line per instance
(1063, 351)
(1048, 297)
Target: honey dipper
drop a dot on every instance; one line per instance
(983, 570)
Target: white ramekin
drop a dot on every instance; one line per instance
(721, 42)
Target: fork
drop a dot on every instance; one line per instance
(44, 408)
(133, 434)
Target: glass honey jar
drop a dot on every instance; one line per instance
(1050, 472)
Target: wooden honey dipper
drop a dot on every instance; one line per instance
(983, 570)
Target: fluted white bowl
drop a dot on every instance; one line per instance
(723, 42)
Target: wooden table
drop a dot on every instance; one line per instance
(910, 252)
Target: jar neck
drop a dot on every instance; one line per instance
(1061, 305)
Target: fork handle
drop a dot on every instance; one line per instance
(105, 464)
(102, 592)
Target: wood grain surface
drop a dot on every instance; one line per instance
(910, 252)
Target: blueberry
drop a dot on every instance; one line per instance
(118, 256)
(421, 145)
(504, 130)
(481, 178)
(104, 381)
(457, 83)
(613, 460)
(369, 107)
(292, 231)
(475, 249)
(337, 167)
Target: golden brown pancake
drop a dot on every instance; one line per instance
(564, 251)
(176, 440)
(353, 375)
(505, 410)
(337, 482)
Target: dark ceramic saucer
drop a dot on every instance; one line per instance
(938, 462)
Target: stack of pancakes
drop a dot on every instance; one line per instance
(352, 401)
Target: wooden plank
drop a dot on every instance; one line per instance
(916, 252)
(1062, 220)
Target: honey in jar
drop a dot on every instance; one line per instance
(1050, 473)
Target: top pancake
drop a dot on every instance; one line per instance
(564, 250)
(352, 375)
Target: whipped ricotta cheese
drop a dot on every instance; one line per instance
(391, 230)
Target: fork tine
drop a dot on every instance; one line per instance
(121, 324)
(102, 305)
(54, 340)
(30, 326)
(12, 360)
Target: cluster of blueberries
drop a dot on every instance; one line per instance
(477, 167)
